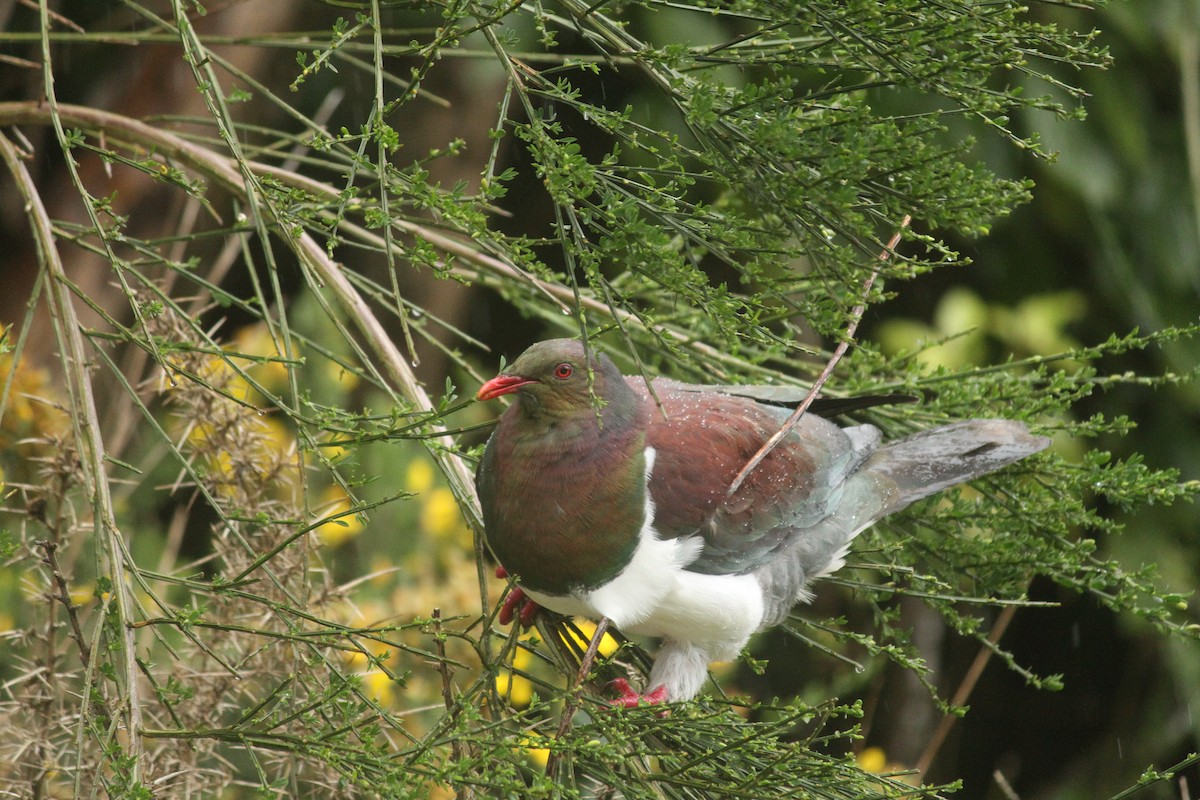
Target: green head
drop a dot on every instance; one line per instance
(551, 381)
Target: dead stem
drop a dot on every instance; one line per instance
(50, 559)
(443, 669)
(964, 691)
(572, 704)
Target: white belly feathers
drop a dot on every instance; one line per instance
(654, 595)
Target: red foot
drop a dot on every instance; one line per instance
(631, 699)
(517, 605)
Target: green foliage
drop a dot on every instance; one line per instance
(225, 551)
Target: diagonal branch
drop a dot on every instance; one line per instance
(964, 691)
(568, 712)
(68, 331)
(856, 315)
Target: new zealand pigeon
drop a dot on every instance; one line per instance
(603, 504)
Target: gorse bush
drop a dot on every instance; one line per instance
(257, 268)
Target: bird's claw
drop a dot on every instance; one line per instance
(630, 699)
(517, 605)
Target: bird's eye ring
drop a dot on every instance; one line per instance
(563, 371)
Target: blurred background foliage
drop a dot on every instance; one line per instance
(279, 564)
(1108, 242)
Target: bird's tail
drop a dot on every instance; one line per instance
(897, 474)
(930, 461)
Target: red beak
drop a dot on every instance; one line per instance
(501, 384)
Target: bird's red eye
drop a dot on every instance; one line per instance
(563, 371)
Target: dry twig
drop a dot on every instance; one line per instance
(572, 704)
(856, 315)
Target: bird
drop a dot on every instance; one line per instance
(608, 496)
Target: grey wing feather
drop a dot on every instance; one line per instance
(894, 476)
(792, 396)
(752, 527)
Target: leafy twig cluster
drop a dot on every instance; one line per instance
(708, 204)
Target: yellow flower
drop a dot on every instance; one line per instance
(517, 688)
(255, 340)
(216, 371)
(872, 759)
(275, 437)
(533, 747)
(335, 453)
(418, 477)
(377, 684)
(441, 518)
(345, 380)
(608, 645)
(32, 407)
(336, 531)
(82, 594)
(268, 441)
(439, 514)
(355, 659)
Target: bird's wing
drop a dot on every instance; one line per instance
(791, 396)
(702, 440)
